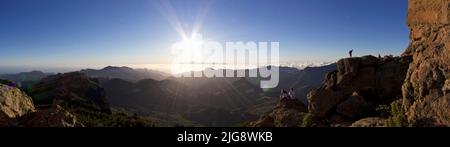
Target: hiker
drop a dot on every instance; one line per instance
(350, 52)
(292, 94)
(284, 94)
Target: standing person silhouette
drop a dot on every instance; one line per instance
(284, 94)
(350, 52)
(292, 94)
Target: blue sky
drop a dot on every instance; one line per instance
(89, 33)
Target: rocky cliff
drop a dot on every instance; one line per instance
(426, 90)
(358, 86)
(354, 91)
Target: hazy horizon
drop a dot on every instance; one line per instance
(165, 68)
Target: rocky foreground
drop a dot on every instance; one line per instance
(17, 109)
(62, 100)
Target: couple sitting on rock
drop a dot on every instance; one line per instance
(287, 95)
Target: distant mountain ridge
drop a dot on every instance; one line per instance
(125, 73)
(210, 101)
(23, 77)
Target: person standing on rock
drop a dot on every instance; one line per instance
(292, 94)
(284, 94)
(350, 52)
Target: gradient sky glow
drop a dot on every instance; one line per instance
(92, 33)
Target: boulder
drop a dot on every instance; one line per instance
(354, 107)
(13, 103)
(321, 101)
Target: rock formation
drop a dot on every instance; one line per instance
(426, 90)
(358, 86)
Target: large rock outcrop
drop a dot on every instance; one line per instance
(358, 86)
(13, 103)
(426, 90)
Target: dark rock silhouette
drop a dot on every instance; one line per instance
(375, 81)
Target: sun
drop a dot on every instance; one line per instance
(189, 51)
(196, 40)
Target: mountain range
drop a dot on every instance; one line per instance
(207, 101)
(169, 101)
(125, 73)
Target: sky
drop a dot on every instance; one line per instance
(53, 34)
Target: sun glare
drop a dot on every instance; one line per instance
(191, 48)
(194, 41)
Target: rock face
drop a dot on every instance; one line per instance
(358, 86)
(288, 113)
(70, 90)
(13, 103)
(426, 90)
(54, 116)
(354, 107)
